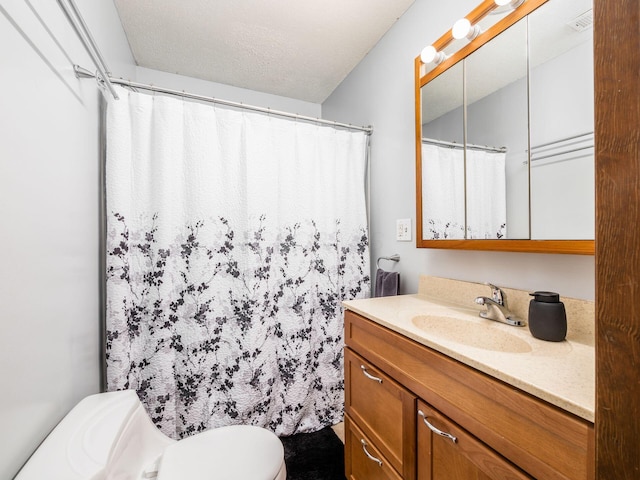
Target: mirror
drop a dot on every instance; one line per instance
(443, 178)
(504, 134)
(561, 109)
(497, 123)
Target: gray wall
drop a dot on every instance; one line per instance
(380, 91)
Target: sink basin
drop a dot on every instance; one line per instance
(471, 333)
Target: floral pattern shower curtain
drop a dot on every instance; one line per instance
(232, 238)
(456, 209)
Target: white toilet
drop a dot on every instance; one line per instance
(109, 436)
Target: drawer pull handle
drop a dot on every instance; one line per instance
(369, 456)
(368, 375)
(436, 430)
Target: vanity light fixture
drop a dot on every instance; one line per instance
(463, 29)
(512, 3)
(430, 55)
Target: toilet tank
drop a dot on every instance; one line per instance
(90, 443)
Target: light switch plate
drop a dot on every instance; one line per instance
(403, 230)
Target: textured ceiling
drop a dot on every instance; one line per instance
(295, 48)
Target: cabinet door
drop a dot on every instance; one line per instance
(363, 461)
(447, 452)
(383, 409)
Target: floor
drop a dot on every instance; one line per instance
(314, 456)
(339, 430)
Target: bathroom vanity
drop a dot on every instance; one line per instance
(433, 391)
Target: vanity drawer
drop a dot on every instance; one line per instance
(383, 410)
(363, 460)
(541, 439)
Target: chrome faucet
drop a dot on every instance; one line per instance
(497, 308)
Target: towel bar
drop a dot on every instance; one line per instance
(394, 258)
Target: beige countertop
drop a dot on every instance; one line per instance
(561, 373)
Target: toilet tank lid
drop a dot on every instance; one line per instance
(79, 446)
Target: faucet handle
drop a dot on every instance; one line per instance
(497, 294)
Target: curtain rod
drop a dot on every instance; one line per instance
(84, 73)
(433, 141)
(82, 31)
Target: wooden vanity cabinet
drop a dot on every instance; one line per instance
(501, 431)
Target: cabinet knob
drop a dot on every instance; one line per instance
(436, 430)
(368, 375)
(369, 456)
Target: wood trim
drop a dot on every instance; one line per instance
(410, 441)
(617, 146)
(418, 157)
(575, 247)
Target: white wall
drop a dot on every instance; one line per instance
(49, 199)
(380, 91)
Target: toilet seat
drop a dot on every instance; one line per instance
(110, 436)
(238, 452)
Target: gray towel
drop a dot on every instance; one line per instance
(387, 283)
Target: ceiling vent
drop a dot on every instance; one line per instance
(582, 21)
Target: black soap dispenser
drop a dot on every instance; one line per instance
(547, 317)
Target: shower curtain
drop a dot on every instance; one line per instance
(443, 194)
(486, 195)
(446, 200)
(232, 238)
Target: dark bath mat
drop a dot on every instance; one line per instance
(314, 456)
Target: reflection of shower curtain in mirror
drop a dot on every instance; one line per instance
(443, 193)
(486, 195)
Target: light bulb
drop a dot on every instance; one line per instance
(463, 29)
(430, 55)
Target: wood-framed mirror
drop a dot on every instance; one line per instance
(504, 132)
